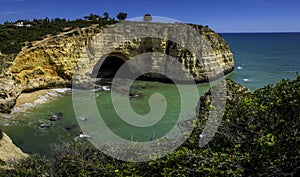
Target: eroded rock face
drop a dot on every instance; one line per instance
(9, 152)
(52, 62)
(44, 64)
(8, 91)
(202, 53)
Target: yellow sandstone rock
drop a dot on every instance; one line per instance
(9, 152)
(51, 62)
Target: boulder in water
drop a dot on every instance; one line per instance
(69, 127)
(45, 125)
(55, 116)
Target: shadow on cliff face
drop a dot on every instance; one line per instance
(153, 58)
(110, 66)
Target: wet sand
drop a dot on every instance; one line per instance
(30, 97)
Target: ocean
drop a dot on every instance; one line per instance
(260, 59)
(264, 58)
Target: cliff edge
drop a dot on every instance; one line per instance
(52, 61)
(9, 152)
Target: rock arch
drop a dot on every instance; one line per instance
(202, 52)
(56, 60)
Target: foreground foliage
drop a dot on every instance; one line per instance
(259, 136)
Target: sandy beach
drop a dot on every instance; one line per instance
(30, 97)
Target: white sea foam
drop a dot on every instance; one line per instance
(101, 88)
(106, 88)
(46, 97)
(239, 67)
(246, 80)
(62, 90)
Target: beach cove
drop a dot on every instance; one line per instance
(243, 74)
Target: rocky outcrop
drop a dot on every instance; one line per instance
(7, 84)
(52, 62)
(9, 152)
(202, 53)
(44, 64)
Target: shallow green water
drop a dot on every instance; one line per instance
(24, 128)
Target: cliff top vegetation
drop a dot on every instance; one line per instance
(15, 35)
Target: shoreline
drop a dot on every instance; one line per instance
(26, 101)
(30, 97)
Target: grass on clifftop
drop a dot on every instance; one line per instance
(258, 136)
(14, 35)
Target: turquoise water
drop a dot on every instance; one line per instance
(24, 128)
(264, 58)
(260, 59)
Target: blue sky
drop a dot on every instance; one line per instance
(220, 15)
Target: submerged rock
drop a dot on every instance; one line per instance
(45, 125)
(55, 116)
(69, 127)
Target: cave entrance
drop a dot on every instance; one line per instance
(111, 65)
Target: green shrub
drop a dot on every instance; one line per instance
(35, 165)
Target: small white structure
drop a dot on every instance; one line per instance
(21, 24)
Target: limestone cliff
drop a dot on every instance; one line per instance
(44, 64)
(52, 61)
(9, 152)
(202, 53)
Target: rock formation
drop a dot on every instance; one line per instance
(52, 62)
(202, 53)
(9, 152)
(43, 64)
